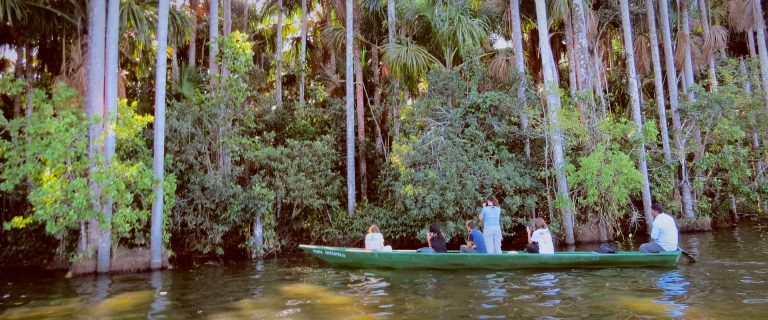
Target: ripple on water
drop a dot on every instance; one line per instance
(755, 301)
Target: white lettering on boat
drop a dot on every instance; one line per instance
(330, 253)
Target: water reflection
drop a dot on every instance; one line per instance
(674, 286)
(160, 303)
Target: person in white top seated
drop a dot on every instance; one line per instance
(374, 240)
(663, 234)
(540, 240)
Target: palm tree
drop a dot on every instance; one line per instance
(94, 100)
(517, 48)
(191, 54)
(360, 108)
(685, 39)
(709, 52)
(657, 79)
(279, 56)
(551, 89)
(391, 29)
(156, 230)
(303, 53)
(350, 108)
(762, 50)
(109, 122)
(669, 58)
(636, 115)
(213, 36)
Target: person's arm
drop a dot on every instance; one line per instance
(481, 215)
(528, 230)
(429, 239)
(655, 230)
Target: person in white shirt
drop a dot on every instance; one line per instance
(541, 237)
(374, 240)
(663, 234)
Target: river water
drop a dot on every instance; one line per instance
(729, 281)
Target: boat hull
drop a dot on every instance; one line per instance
(410, 259)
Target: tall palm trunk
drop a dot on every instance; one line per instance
(213, 37)
(688, 59)
(551, 89)
(669, 59)
(279, 56)
(303, 54)
(109, 122)
(711, 59)
(350, 58)
(573, 60)
(94, 100)
(226, 30)
(360, 108)
(156, 230)
(657, 79)
(192, 53)
(762, 50)
(517, 48)
(18, 73)
(395, 103)
(29, 79)
(376, 80)
(636, 115)
(753, 55)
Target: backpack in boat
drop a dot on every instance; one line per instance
(532, 247)
(606, 248)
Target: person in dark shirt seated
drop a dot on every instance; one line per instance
(435, 240)
(475, 241)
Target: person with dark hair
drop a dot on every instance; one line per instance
(475, 241)
(541, 240)
(491, 226)
(663, 233)
(435, 240)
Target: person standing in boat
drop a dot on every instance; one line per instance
(540, 240)
(475, 241)
(491, 226)
(435, 240)
(663, 234)
(374, 240)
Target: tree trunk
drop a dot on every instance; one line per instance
(688, 60)
(762, 50)
(669, 59)
(303, 53)
(584, 72)
(360, 108)
(711, 59)
(18, 73)
(395, 103)
(734, 211)
(246, 12)
(175, 73)
(517, 48)
(657, 80)
(94, 100)
(573, 85)
(156, 232)
(551, 89)
(350, 58)
(226, 30)
(192, 52)
(29, 79)
(109, 122)
(377, 100)
(279, 56)
(213, 38)
(636, 114)
(258, 234)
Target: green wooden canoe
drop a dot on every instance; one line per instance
(404, 259)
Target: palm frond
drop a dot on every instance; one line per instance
(407, 61)
(642, 54)
(12, 11)
(716, 40)
(501, 67)
(741, 15)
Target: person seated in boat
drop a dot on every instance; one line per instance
(491, 225)
(435, 240)
(475, 241)
(374, 240)
(539, 238)
(663, 233)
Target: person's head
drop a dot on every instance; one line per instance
(374, 229)
(539, 223)
(434, 228)
(656, 209)
(491, 200)
(470, 225)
